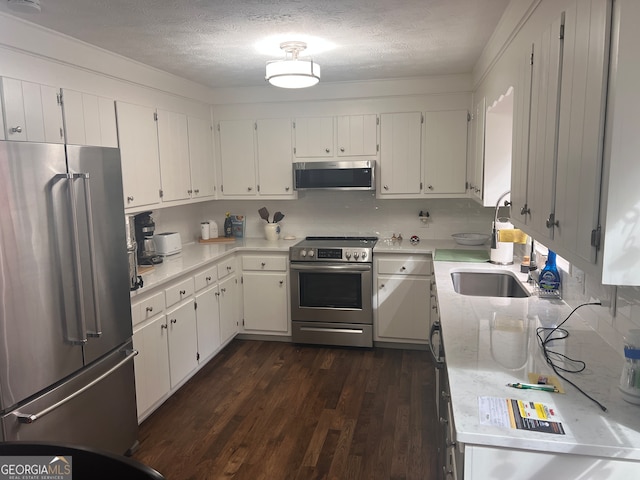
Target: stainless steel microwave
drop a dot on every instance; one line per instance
(348, 175)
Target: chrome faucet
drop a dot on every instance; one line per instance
(494, 232)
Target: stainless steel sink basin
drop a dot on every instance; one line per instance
(488, 283)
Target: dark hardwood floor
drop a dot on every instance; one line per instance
(272, 410)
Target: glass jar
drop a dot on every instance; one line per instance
(630, 378)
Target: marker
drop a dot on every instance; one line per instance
(534, 386)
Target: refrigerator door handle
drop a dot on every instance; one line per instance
(32, 417)
(76, 253)
(92, 255)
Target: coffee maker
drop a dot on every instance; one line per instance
(145, 229)
(135, 280)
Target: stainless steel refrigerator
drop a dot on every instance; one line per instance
(66, 355)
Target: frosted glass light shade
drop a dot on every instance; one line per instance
(293, 73)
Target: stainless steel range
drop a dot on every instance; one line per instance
(331, 291)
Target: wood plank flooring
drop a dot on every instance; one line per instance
(273, 410)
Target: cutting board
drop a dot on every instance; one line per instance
(217, 240)
(461, 255)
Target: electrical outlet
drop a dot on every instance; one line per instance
(579, 277)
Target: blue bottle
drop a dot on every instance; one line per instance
(549, 276)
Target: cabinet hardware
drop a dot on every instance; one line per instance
(163, 326)
(129, 199)
(173, 320)
(281, 282)
(430, 187)
(286, 189)
(386, 187)
(381, 286)
(327, 150)
(228, 268)
(197, 191)
(443, 420)
(17, 129)
(342, 149)
(208, 279)
(263, 264)
(249, 189)
(189, 192)
(525, 210)
(149, 309)
(551, 221)
(223, 290)
(403, 268)
(217, 294)
(182, 292)
(596, 236)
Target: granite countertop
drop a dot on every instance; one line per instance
(196, 255)
(490, 342)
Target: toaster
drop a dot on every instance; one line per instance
(168, 243)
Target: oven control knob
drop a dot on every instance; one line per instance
(311, 253)
(347, 254)
(303, 253)
(364, 255)
(355, 255)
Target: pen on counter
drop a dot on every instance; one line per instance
(534, 386)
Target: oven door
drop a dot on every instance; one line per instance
(331, 292)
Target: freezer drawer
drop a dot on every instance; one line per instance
(89, 417)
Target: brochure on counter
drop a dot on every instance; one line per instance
(520, 415)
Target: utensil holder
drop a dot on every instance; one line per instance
(272, 232)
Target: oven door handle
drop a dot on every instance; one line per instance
(436, 329)
(331, 268)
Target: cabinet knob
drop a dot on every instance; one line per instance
(281, 282)
(249, 189)
(327, 150)
(525, 210)
(217, 294)
(381, 285)
(197, 190)
(129, 199)
(228, 268)
(182, 292)
(149, 309)
(403, 268)
(430, 187)
(173, 320)
(286, 189)
(189, 192)
(208, 279)
(443, 420)
(342, 149)
(223, 290)
(17, 129)
(386, 187)
(263, 264)
(163, 326)
(552, 222)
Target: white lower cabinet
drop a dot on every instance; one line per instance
(179, 327)
(265, 294)
(151, 363)
(183, 342)
(403, 298)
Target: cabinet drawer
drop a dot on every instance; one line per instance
(150, 306)
(405, 266)
(179, 292)
(206, 278)
(226, 267)
(265, 263)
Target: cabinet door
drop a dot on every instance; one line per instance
(203, 178)
(313, 137)
(445, 151)
(476, 160)
(173, 150)
(357, 135)
(273, 142)
(183, 342)
(228, 309)
(403, 308)
(400, 158)
(520, 146)
(208, 322)
(51, 114)
(151, 363)
(74, 117)
(265, 301)
(581, 127)
(237, 158)
(138, 137)
(13, 102)
(89, 119)
(545, 97)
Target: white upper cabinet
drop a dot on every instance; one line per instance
(255, 158)
(475, 162)
(32, 112)
(621, 262)
(445, 152)
(237, 158)
(400, 154)
(557, 166)
(313, 137)
(138, 138)
(173, 149)
(273, 150)
(89, 119)
(203, 176)
(357, 135)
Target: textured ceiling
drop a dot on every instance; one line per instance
(213, 42)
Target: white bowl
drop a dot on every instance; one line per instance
(470, 238)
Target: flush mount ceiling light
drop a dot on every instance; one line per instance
(293, 72)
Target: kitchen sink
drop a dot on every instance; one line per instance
(488, 283)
